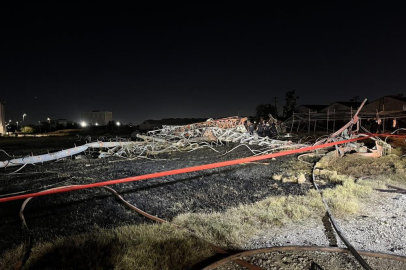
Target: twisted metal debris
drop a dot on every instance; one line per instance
(209, 134)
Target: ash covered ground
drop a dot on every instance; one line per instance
(79, 211)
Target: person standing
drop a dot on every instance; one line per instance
(251, 128)
(395, 124)
(378, 125)
(260, 129)
(274, 130)
(267, 130)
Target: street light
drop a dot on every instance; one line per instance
(24, 115)
(118, 125)
(39, 123)
(49, 122)
(17, 125)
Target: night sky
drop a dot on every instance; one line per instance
(197, 60)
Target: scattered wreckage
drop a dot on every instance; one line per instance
(209, 134)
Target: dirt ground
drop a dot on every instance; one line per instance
(206, 191)
(79, 211)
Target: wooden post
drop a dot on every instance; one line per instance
(298, 125)
(328, 114)
(383, 120)
(293, 121)
(308, 129)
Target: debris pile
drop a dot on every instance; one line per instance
(209, 134)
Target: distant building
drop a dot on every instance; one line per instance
(386, 103)
(53, 123)
(312, 108)
(62, 122)
(342, 106)
(101, 118)
(2, 119)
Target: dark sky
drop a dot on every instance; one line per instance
(197, 60)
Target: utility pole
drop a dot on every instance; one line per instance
(275, 100)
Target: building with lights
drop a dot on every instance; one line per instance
(96, 118)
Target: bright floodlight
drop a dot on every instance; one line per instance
(97, 124)
(83, 124)
(118, 123)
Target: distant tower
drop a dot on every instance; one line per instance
(2, 118)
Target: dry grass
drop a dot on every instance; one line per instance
(345, 199)
(236, 226)
(162, 247)
(232, 228)
(377, 172)
(357, 166)
(11, 258)
(128, 247)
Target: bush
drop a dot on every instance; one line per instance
(27, 129)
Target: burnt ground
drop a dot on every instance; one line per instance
(79, 211)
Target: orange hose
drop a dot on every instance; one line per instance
(178, 171)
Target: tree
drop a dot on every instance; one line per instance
(290, 98)
(262, 111)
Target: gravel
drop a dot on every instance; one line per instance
(380, 226)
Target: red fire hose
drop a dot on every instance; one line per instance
(179, 171)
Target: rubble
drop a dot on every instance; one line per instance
(208, 134)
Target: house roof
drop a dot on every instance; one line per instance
(314, 107)
(398, 98)
(390, 96)
(349, 103)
